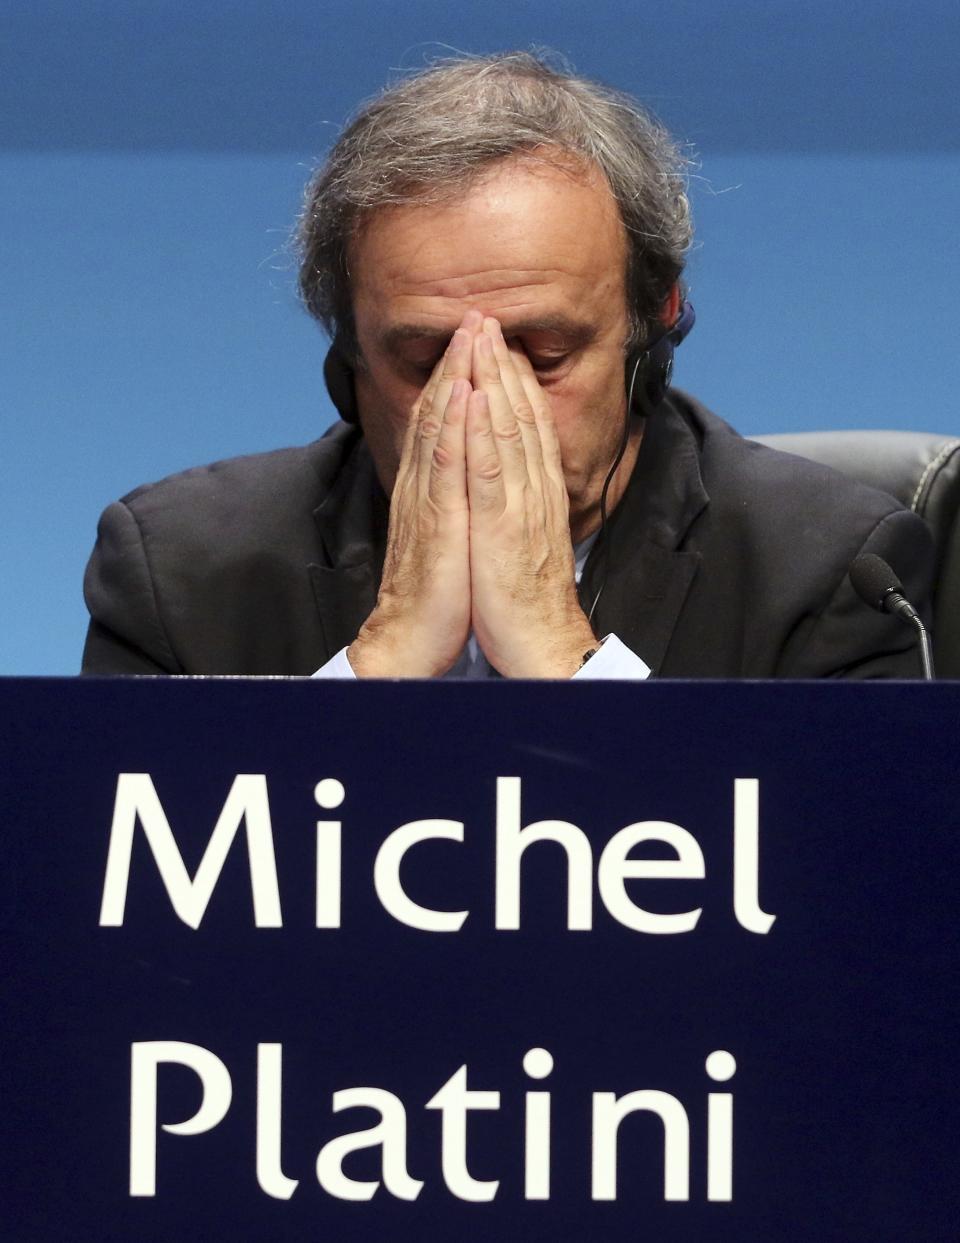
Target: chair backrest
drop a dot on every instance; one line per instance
(922, 471)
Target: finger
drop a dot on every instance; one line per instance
(447, 486)
(408, 466)
(546, 428)
(510, 357)
(485, 487)
(413, 463)
(472, 322)
(427, 392)
(506, 436)
(453, 366)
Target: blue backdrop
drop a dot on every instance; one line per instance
(152, 158)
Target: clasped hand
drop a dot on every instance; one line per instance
(479, 532)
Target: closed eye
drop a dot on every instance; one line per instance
(424, 367)
(547, 352)
(543, 363)
(547, 363)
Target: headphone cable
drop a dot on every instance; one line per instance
(624, 440)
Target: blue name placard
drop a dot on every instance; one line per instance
(480, 961)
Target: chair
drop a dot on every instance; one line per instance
(923, 472)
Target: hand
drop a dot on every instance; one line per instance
(422, 617)
(525, 610)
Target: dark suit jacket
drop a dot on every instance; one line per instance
(725, 559)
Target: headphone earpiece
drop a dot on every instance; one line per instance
(650, 368)
(648, 374)
(338, 377)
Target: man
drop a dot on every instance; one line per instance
(496, 249)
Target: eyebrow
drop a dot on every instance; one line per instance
(577, 332)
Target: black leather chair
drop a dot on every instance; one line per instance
(923, 472)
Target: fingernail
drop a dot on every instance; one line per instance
(460, 389)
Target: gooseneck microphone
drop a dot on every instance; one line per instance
(877, 585)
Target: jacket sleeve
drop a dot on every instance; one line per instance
(847, 638)
(126, 633)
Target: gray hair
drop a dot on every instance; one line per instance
(428, 137)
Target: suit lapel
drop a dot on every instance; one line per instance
(352, 525)
(648, 574)
(642, 600)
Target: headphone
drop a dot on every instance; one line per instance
(338, 377)
(650, 365)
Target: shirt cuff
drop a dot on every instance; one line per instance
(336, 667)
(614, 659)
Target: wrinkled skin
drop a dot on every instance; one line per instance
(491, 334)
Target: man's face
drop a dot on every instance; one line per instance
(540, 248)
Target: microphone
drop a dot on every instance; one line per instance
(877, 585)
